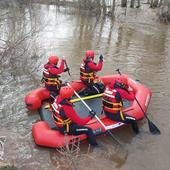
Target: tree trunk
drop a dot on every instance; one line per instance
(123, 3)
(104, 6)
(84, 4)
(164, 15)
(151, 5)
(148, 1)
(113, 7)
(155, 3)
(132, 3)
(138, 5)
(160, 3)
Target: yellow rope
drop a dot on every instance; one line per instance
(86, 98)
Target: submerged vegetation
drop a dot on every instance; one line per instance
(92, 7)
(107, 7)
(70, 154)
(8, 167)
(98, 7)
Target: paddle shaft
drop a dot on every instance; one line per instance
(136, 100)
(152, 127)
(142, 109)
(67, 67)
(87, 106)
(109, 132)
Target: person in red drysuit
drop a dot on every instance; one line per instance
(66, 118)
(51, 74)
(88, 71)
(113, 104)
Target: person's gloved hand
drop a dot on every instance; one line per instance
(66, 69)
(92, 114)
(130, 89)
(64, 58)
(101, 57)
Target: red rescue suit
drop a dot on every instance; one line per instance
(88, 70)
(111, 103)
(51, 76)
(112, 100)
(65, 115)
(113, 106)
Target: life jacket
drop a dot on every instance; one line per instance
(51, 79)
(59, 115)
(112, 102)
(86, 74)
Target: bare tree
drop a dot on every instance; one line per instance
(123, 3)
(160, 3)
(132, 3)
(164, 11)
(104, 6)
(17, 30)
(155, 3)
(138, 4)
(113, 7)
(70, 156)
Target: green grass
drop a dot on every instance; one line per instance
(8, 167)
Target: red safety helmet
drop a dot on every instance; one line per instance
(66, 92)
(53, 59)
(90, 54)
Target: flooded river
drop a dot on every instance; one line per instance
(137, 44)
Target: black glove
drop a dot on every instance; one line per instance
(101, 57)
(66, 69)
(92, 114)
(120, 85)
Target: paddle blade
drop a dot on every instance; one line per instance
(153, 129)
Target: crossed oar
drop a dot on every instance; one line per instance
(98, 119)
(152, 127)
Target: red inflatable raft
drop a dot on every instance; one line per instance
(45, 133)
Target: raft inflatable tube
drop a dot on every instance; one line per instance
(34, 98)
(45, 132)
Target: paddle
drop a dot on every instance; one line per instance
(67, 67)
(107, 130)
(152, 127)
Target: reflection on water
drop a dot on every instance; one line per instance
(135, 43)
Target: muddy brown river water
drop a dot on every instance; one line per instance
(136, 43)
